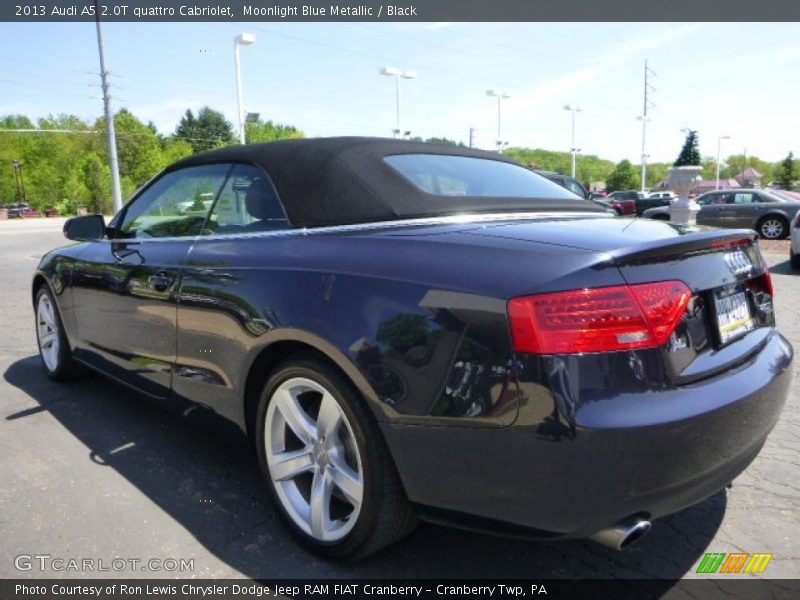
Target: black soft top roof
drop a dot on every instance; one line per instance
(344, 180)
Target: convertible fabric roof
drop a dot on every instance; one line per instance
(344, 180)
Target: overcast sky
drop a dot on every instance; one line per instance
(721, 79)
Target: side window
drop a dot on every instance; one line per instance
(176, 204)
(248, 202)
(721, 199)
(575, 187)
(745, 198)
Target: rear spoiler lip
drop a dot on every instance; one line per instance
(697, 242)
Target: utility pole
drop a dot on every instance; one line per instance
(113, 161)
(471, 136)
(719, 148)
(17, 166)
(644, 119)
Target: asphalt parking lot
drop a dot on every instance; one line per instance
(91, 470)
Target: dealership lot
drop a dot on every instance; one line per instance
(90, 470)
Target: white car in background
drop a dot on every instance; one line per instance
(794, 245)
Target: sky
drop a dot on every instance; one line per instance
(734, 79)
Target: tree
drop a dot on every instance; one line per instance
(785, 172)
(15, 122)
(173, 149)
(624, 177)
(443, 141)
(209, 129)
(656, 173)
(267, 131)
(690, 153)
(97, 176)
(138, 147)
(590, 167)
(736, 163)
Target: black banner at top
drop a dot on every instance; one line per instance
(399, 10)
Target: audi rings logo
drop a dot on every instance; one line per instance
(739, 263)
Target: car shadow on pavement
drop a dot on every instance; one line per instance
(783, 268)
(206, 478)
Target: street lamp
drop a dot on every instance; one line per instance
(719, 147)
(573, 149)
(398, 74)
(243, 39)
(500, 95)
(645, 120)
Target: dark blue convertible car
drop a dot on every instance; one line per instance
(412, 331)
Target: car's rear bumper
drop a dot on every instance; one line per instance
(649, 453)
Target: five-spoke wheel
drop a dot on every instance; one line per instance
(325, 461)
(313, 459)
(47, 332)
(53, 346)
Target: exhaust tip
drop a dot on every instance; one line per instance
(623, 534)
(637, 532)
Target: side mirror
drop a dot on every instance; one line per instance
(89, 227)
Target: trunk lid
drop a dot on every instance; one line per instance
(731, 313)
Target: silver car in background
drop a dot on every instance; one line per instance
(769, 213)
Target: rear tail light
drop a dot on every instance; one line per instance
(731, 242)
(797, 220)
(606, 319)
(762, 283)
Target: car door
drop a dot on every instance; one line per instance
(712, 208)
(744, 210)
(126, 289)
(227, 302)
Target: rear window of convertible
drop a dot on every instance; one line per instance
(446, 175)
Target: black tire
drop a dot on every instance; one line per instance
(660, 217)
(794, 259)
(781, 221)
(64, 367)
(385, 514)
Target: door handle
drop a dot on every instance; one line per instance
(160, 281)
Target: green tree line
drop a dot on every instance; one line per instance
(65, 159)
(69, 171)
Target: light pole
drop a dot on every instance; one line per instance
(719, 148)
(500, 95)
(113, 160)
(573, 149)
(243, 39)
(398, 74)
(645, 120)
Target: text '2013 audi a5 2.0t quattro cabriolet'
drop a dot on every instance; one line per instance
(408, 331)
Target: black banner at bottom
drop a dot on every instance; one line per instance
(750, 588)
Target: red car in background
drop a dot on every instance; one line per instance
(622, 201)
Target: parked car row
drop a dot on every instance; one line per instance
(768, 213)
(21, 210)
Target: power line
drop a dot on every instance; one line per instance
(119, 134)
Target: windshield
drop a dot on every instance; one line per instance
(446, 175)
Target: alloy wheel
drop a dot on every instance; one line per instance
(313, 459)
(772, 229)
(47, 332)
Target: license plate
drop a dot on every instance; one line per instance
(733, 314)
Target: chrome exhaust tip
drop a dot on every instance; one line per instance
(623, 534)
